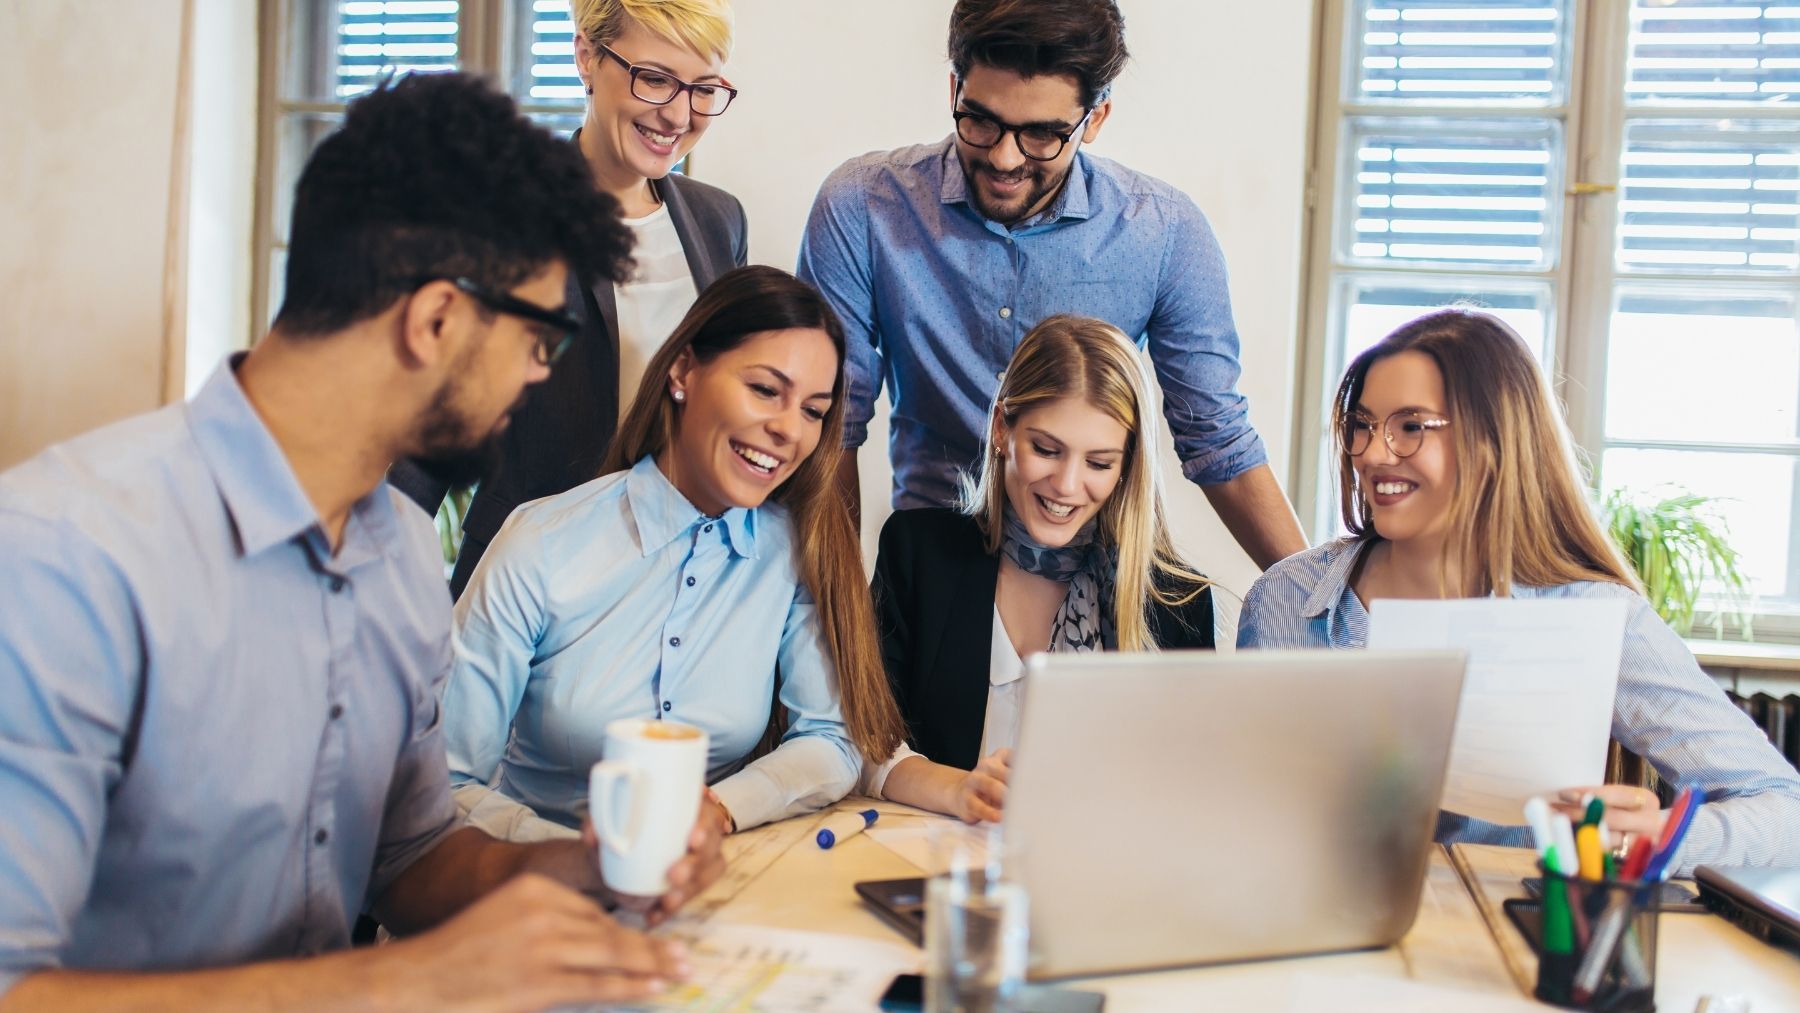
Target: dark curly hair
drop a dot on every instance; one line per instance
(1084, 39)
(438, 175)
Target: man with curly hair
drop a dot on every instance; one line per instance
(225, 636)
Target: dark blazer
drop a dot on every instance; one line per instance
(934, 601)
(560, 437)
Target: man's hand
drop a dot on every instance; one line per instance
(982, 793)
(531, 944)
(692, 873)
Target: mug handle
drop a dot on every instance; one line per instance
(603, 785)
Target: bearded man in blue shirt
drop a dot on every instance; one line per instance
(225, 638)
(940, 257)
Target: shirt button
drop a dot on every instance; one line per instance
(707, 529)
(337, 711)
(337, 584)
(322, 836)
(667, 706)
(674, 641)
(1005, 312)
(690, 582)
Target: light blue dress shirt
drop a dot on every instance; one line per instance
(219, 742)
(934, 298)
(1666, 709)
(619, 599)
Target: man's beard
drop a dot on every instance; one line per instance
(450, 453)
(1039, 185)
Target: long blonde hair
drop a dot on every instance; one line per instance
(827, 551)
(1519, 512)
(1070, 356)
(703, 26)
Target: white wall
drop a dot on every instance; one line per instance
(124, 257)
(84, 194)
(824, 80)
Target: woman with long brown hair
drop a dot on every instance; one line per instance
(1060, 545)
(1458, 479)
(708, 575)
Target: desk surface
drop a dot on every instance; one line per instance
(1454, 957)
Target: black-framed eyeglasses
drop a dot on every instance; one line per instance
(1038, 143)
(659, 88)
(555, 331)
(1404, 431)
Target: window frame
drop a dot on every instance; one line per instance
(1594, 114)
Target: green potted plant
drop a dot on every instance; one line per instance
(1677, 543)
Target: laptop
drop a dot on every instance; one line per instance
(1763, 902)
(1190, 807)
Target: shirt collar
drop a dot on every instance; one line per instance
(662, 514)
(1338, 560)
(1070, 202)
(259, 488)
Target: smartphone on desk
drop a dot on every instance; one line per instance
(907, 995)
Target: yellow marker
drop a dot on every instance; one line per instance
(1588, 849)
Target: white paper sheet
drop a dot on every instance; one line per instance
(913, 842)
(749, 967)
(1537, 701)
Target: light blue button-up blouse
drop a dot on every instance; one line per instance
(620, 599)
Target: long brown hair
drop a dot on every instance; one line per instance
(1519, 512)
(1079, 357)
(827, 552)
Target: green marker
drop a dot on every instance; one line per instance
(1595, 810)
(1556, 964)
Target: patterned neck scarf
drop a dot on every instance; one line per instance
(1084, 621)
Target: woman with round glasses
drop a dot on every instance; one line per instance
(1457, 479)
(653, 71)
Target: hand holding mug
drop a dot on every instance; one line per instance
(692, 873)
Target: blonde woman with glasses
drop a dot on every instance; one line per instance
(1457, 480)
(654, 75)
(1060, 545)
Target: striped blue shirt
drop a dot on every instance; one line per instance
(934, 298)
(1666, 709)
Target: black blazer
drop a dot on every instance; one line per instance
(560, 437)
(934, 601)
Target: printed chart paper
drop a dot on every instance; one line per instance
(1537, 701)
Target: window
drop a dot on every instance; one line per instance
(1620, 181)
(318, 55)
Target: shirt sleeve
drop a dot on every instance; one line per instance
(1674, 715)
(71, 665)
(816, 763)
(874, 776)
(835, 258)
(498, 622)
(1194, 347)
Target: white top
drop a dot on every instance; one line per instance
(653, 302)
(999, 730)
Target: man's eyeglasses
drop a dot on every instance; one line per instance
(659, 88)
(1404, 431)
(1038, 143)
(554, 330)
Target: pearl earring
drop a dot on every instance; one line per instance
(678, 395)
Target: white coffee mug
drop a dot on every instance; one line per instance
(644, 798)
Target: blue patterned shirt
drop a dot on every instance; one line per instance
(220, 740)
(934, 298)
(619, 599)
(1666, 709)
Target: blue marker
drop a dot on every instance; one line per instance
(842, 826)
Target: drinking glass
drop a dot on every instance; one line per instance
(975, 922)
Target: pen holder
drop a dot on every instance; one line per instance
(1596, 943)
